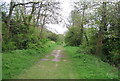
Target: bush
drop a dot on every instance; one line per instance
(73, 36)
(86, 49)
(9, 46)
(53, 37)
(115, 56)
(111, 50)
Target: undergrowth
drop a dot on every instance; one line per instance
(17, 61)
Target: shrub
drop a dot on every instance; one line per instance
(9, 46)
(73, 36)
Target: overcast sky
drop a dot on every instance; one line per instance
(66, 9)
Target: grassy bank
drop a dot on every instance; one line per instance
(17, 61)
(90, 67)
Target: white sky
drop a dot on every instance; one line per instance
(66, 9)
(5, 1)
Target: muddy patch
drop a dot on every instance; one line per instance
(45, 59)
(61, 56)
(56, 54)
(56, 60)
(47, 55)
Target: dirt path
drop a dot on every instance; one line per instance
(55, 65)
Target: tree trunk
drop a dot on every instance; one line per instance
(32, 12)
(39, 13)
(42, 27)
(86, 38)
(82, 25)
(12, 5)
(101, 32)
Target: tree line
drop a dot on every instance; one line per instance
(95, 26)
(24, 23)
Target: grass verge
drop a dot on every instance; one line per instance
(15, 62)
(89, 66)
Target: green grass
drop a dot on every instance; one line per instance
(49, 70)
(89, 66)
(15, 62)
(26, 64)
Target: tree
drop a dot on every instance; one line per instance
(102, 30)
(26, 22)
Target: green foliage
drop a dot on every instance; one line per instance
(9, 46)
(111, 50)
(53, 37)
(91, 47)
(61, 38)
(23, 37)
(22, 33)
(111, 39)
(86, 49)
(115, 54)
(101, 32)
(76, 18)
(73, 37)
